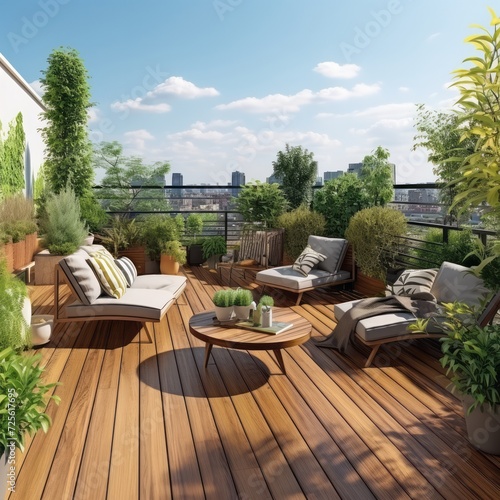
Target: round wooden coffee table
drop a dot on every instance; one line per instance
(205, 326)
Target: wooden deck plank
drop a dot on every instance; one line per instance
(147, 420)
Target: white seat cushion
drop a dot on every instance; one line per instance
(286, 277)
(167, 282)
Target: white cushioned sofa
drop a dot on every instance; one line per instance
(451, 283)
(146, 298)
(336, 269)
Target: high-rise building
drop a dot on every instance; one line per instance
(355, 168)
(328, 176)
(237, 179)
(177, 180)
(319, 181)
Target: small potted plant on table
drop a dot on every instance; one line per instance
(243, 303)
(223, 301)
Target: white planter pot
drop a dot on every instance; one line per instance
(224, 313)
(483, 427)
(267, 318)
(243, 312)
(41, 328)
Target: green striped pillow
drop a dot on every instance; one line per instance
(110, 277)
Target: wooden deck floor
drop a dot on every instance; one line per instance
(142, 420)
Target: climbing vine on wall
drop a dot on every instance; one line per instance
(12, 158)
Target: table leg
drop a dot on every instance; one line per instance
(208, 350)
(279, 359)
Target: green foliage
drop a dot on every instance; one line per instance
(298, 170)
(440, 133)
(338, 200)
(224, 298)
(175, 250)
(194, 227)
(157, 230)
(13, 327)
(22, 398)
(17, 217)
(243, 297)
(181, 223)
(376, 175)
(374, 232)
(489, 268)
(62, 227)
(470, 353)
(122, 234)
(214, 245)
(40, 184)
(128, 184)
(93, 215)
(298, 225)
(67, 99)
(12, 158)
(261, 203)
(266, 302)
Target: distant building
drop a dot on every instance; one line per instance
(237, 179)
(177, 180)
(319, 181)
(354, 168)
(274, 179)
(328, 176)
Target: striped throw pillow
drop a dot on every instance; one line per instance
(110, 277)
(127, 267)
(308, 259)
(411, 282)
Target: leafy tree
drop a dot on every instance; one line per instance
(298, 170)
(376, 175)
(338, 200)
(440, 133)
(12, 158)
(479, 86)
(127, 183)
(261, 202)
(67, 99)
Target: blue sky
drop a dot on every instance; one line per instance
(213, 86)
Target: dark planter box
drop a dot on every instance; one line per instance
(194, 255)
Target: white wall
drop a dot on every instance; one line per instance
(17, 96)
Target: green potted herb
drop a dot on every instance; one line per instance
(224, 301)
(266, 303)
(173, 255)
(22, 404)
(243, 303)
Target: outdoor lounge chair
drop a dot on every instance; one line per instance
(452, 283)
(337, 269)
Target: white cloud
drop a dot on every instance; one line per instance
(279, 103)
(94, 115)
(332, 69)
(385, 111)
(178, 87)
(37, 87)
(432, 37)
(136, 139)
(404, 89)
(139, 105)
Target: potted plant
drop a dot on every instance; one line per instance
(224, 301)
(173, 255)
(22, 404)
(213, 249)
(156, 231)
(63, 232)
(243, 303)
(194, 227)
(471, 354)
(266, 303)
(15, 310)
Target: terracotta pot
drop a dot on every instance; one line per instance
(168, 265)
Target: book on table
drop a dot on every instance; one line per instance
(277, 327)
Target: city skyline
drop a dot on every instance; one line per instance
(221, 86)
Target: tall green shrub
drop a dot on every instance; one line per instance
(62, 227)
(374, 232)
(298, 225)
(12, 158)
(338, 200)
(67, 99)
